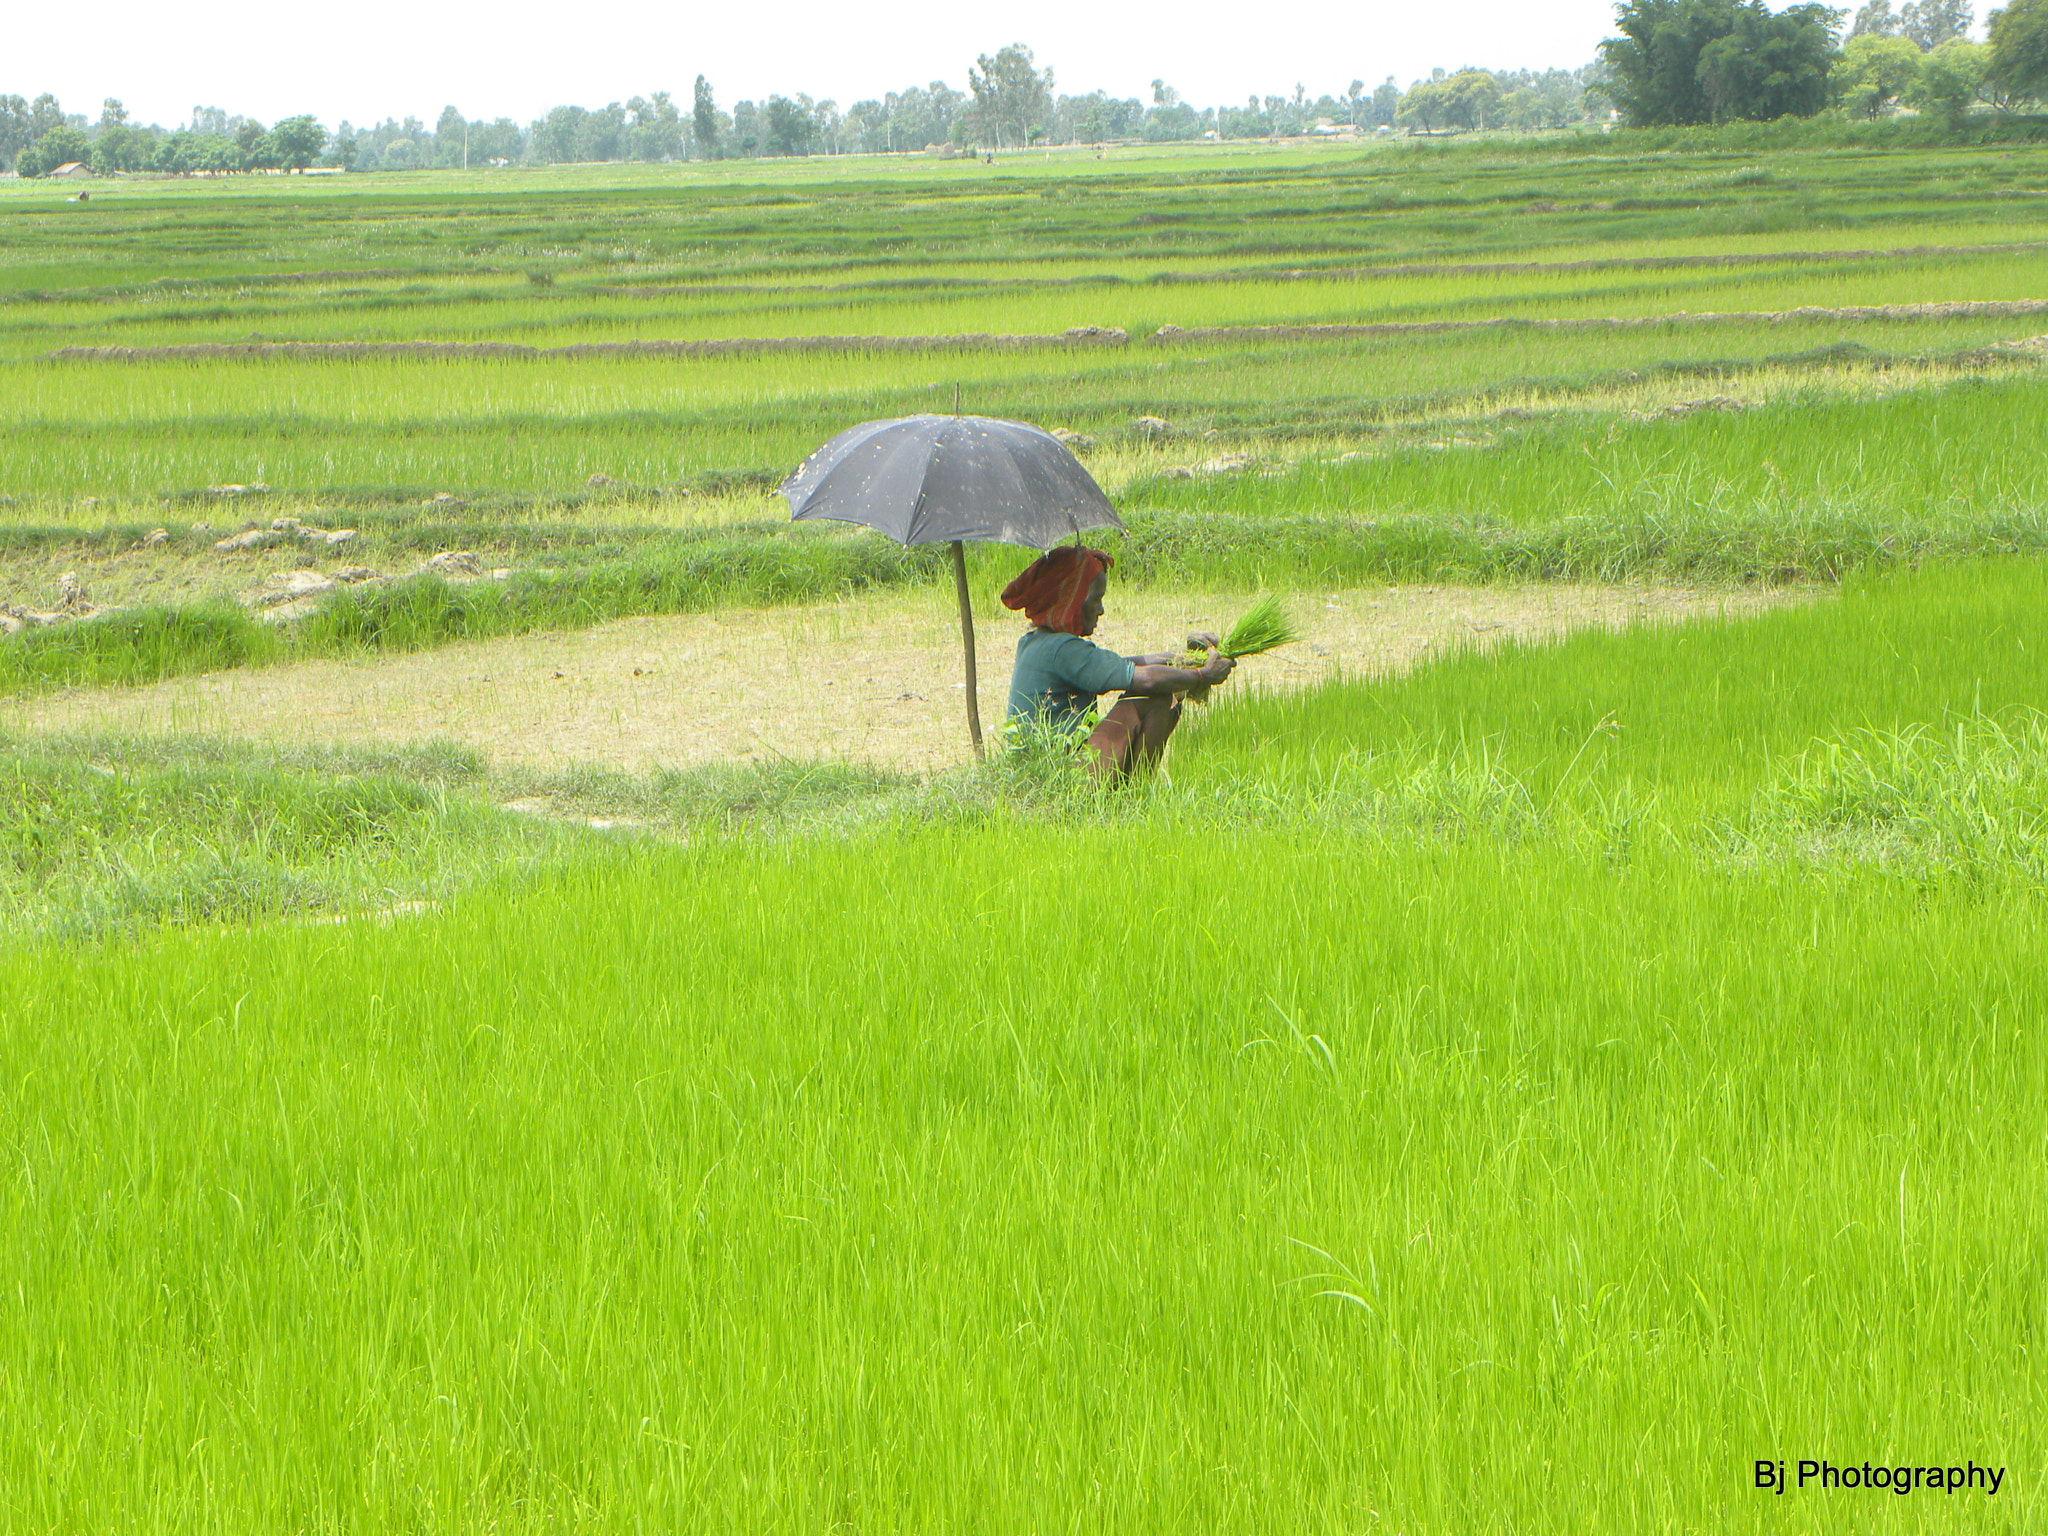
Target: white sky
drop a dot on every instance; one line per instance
(376, 60)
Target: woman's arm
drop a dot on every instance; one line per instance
(1202, 640)
(1153, 680)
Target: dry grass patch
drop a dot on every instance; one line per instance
(873, 680)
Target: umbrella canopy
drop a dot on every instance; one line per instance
(937, 479)
(946, 479)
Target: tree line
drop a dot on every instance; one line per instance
(1010, 102)
(1675, 62)
(1680, 62)
(37, 137)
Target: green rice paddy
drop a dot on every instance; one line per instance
(1522, 1095)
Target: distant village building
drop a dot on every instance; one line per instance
(73, 168)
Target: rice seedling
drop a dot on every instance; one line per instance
(1264, 627)
(1629, 1076)
(1702, 715)
(775, 1243)
(1925, 456)
(131, 435)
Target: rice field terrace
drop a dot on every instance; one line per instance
(1560, 1048)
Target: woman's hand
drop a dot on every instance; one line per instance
(1203, 641)
(1218, 667)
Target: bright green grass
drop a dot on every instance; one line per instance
(1484, 1194)
(808, 222)
(1513, 1098)
(1242, 235)
(509, 310)
(1921, 458)
(103, 839)
(1307, 1175)
(132, 432)
(108, 836)
(1801, 489)
(1701, 717)
(1085, 383)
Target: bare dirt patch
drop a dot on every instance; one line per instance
(875, 679)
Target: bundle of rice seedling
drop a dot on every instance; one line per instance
(1263, 628)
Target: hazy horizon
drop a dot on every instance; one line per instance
(386, 62)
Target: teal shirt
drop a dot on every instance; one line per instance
(1059, 677)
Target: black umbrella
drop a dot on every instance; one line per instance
(946, 479)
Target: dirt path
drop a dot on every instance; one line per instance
(875, 679)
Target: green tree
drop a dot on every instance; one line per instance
(117, 144)
(1469, 97)
(495, 142)
(1873, 19)
(122, 148)
(1703, 61)
(174, 155)
(791, 127)
(1171, 120)
(1563, 96)
(704, 119)
(1386, 102)
(1519, 107)
(296, 142)
(1012, 96)
(1097, 117)
(864, 129)
(1951, 80)
(184, 152)
(14, 134)
(1930, 23)
(746, 129)
(45, 116)
(1424, 104)
(555, 137)
(1875, 72)
(919, 117)
(451, 139)
(601, 136)
(2018, 65)
(60, 146)
(654, 129)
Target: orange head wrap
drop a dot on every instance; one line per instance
(1053, 588)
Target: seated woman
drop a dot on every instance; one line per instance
(1060, 672)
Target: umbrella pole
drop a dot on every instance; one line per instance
(967, 641)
